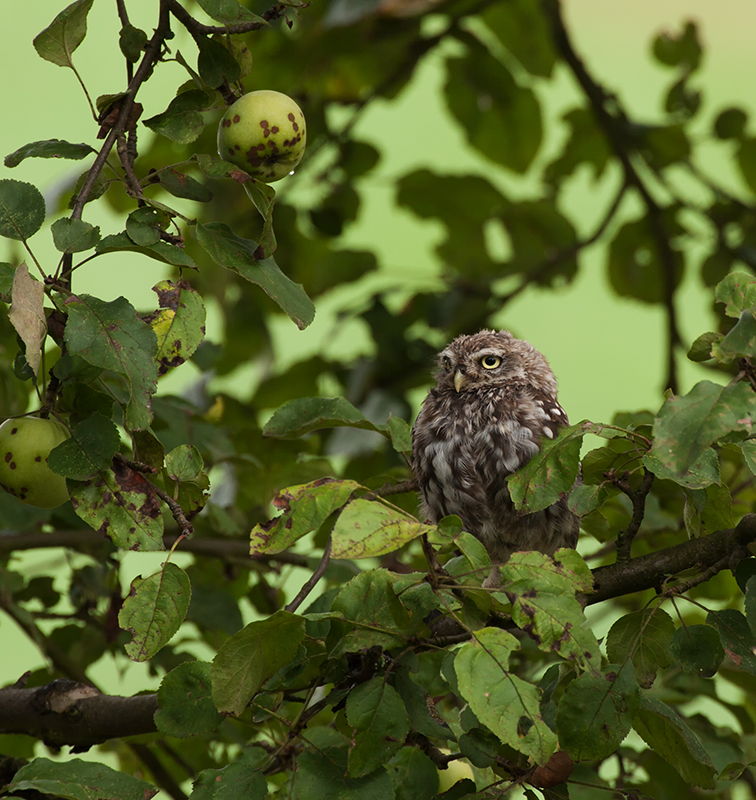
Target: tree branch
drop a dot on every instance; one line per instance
(198, 29)
(615, 128)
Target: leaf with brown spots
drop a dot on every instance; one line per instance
(305, 508)
(179, 325)
(122, 505)
(543, 591)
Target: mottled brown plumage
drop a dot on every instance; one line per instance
(494, 401)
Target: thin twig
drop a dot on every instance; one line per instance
(638, 499)
(198, 29)
(313, 580)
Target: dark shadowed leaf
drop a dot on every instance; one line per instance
(78, 780)
(586, 144)
(229, 11)
(181, 185)
(182, 121)
(185, 704)
(250, 657)
(642, 637)
(111, 336)
(664, 730)
(74, 235)
(697, 649)
(49, 148)
(93, 443)
(324, 774)
(233, 782)
(377, 715)
(154, 610)
(596, 712)
(737, 637)
(215, 63)
(263, 196)
(22, 209)
(239, 255)
(64, 34)
(506, 704)
(160, 251)
(682, 50)
(306, 414)
(730, 123)
(132, 40)
(484, 97)
(523, 29)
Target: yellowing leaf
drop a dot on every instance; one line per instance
(27, 314)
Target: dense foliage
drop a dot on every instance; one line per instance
(372, 662)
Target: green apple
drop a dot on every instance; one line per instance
(264, 134)
(25, 444)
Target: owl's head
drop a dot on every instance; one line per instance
(492, 358)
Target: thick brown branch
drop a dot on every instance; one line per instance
(61, 713)
(720, 549)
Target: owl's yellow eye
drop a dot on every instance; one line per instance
(490, 362)
(447, 363)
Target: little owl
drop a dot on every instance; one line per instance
(494, 400)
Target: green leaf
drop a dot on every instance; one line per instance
(132, 40)
(248, 658)
(229, 11)
(369, 601)
(697, 649)
(122, 505)
(305, 508)
(184, 463)
(506, 704)
(215, 64)
(737, 637)
(683, 51)
(701, 349)
(688, 425)
(179, 325)
(666, 732)
(185, 705)
(22, 209)
(181, 185)
(485, 99)
(523, 29)
(263, 196)
(240, 256)
(58, 41)
(306, 414)
(377, 715)
(634, 263)
(730, 123)
(145, 225)
(74, 235)
(543, 591)
(154, 610)
(740, 340)
(642, 637)
(7, 274)
(93, 443)
(324, 775)
(738, 292)
(414, 775)
(111, 336)
(182, 121)
(417, 703)
(551, 473)
(49, 148)
(596, 713)
(400, 433)
(371, 528)
(233, 782)
(160, 251)
(586, 144)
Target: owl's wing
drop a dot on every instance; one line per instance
(551, 416)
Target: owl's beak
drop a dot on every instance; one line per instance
(460, 379)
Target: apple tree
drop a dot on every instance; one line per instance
(208, 494)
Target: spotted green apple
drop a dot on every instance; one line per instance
(264, 134)
(25, 444)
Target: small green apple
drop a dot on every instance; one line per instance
(25, 444)
(264, 134)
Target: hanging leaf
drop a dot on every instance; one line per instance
(58, 41)
(27, 314)
(49, 148)
(185, 705)
(22, 209)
